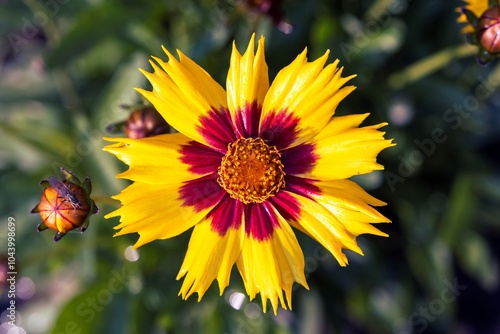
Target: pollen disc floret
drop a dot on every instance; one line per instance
(251, 171)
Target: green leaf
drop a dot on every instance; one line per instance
(461, 210)
(100, 309)
(477, 260)
(89, 29)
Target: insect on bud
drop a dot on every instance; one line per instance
(65, 204)
(145, 122)
(488, 30)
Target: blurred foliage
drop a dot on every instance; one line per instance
(66, 67)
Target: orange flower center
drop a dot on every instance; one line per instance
(251, 171)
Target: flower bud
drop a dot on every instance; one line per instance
(145, 122)
(483, 29)
(488, 30)
(65, 204)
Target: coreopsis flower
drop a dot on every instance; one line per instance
(483, 29)
(247, 165)
(65, 204)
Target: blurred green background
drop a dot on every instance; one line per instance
(67, 66)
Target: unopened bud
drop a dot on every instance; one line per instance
(488, 30)
(145, 122)
(65, 204)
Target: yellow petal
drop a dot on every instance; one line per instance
(154, 211)
(344, 150)
(271, 266)
(307, 91)
(209, 256)
(325, 228)
(247, 79)
(182, 93)
(152, 160)
(341, 124)
(350, 204)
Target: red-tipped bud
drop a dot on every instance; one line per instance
(145, 122)
(65, 204)
(488, 30)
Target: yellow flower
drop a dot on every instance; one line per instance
(248, 164)
(478, 7)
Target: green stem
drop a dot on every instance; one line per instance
(105, 200)
(429, 65)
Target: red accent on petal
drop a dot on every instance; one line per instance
(247, 120)
(260, 220)
(218, 129)
(287, 206)
(201, 193)
(301, 186)
(279, 129)
(299, 159)
(226, 214)
(200, 158)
